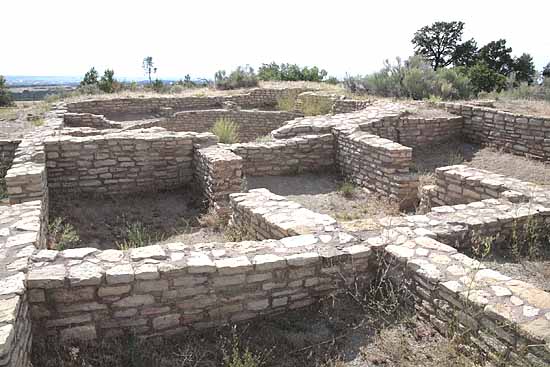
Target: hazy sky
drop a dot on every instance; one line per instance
(67, 37)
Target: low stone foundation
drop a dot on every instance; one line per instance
(270, 216)
(71, 119)
(86, 294)
(219, 173)
(307, 153)
(123, 162)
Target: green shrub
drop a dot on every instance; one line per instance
(484, 79)
(291, 72)
(226, 130)
(242, 77)
(5, 96)
(414, 79)
(106, 84)
(157, 85)
(90, 78)
(62, 235)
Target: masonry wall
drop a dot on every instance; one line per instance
(252, 124)
(461, 184)
(114, 108)
(378, 164)
(416, 131)
(270, 216)
(514, 133)
(287, 156)
(7, 153)
(122, 162)
(72, 119)
(85, 294)
(499, 316)
(218, 173)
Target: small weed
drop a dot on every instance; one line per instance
(455, 158)
(347, 189)
(264, 139)
(235, 355)
(235, 233)
(137, 235)
(213, 219)
(62, 235)
(226, 130)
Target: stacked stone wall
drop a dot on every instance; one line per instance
(251, 124)
(256, 98)
(308, 153)
(270, 216)
(378, 164)
(141, 160)
(72, 119)
(416, 131)
(218, 173)
(22, 231)
(7, 153)
(515, 133)
(502, 317)
(86, 294)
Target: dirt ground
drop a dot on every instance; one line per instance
(324, 193)
(337, 332)
(16, 121)
(428, 159)
(105, 222)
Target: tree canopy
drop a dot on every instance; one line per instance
(437, 43)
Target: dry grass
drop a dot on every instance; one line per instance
(524, 106)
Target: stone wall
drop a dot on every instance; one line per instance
(270, 216)
(378, 164)
(461, 184)
(72, 119)
(22, 230)
(7, 153)
(218, 173)
(122, 162)
(86, 294)
(117, 107)
(416, 131)
(288, 156)
(504, 318)
(252, 124)
(514, 133)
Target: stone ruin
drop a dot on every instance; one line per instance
(145, 144)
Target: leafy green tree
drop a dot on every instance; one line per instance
(546, 71)
(270, 71)
(107, 82)
(149, 67)
(466, 54)
(485, 79)
(497, 57)
(90, 78)
(525, 69)
(437, 42)
(5, 96)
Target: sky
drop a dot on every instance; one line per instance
(199, 37)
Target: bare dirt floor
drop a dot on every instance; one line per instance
(337, 332)
(328, 194)
(146, 218)
(456, 152)
(18, 120)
